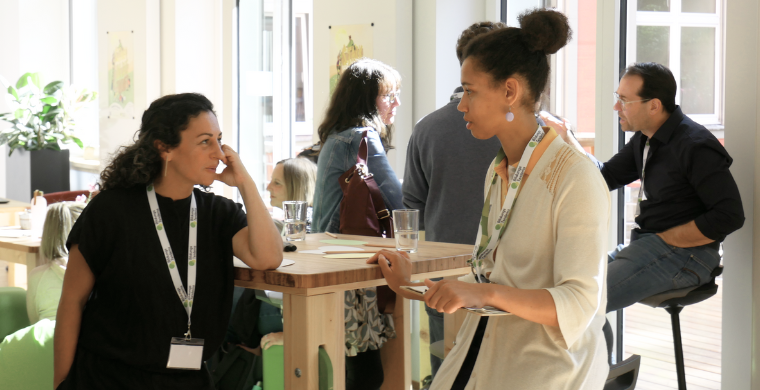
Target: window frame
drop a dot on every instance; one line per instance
(675, 20)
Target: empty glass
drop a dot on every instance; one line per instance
(406, 229)
(295, 219)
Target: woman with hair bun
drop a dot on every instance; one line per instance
(540, 250)
(130, 315)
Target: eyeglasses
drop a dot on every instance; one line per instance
(392, 96)
(617, 99)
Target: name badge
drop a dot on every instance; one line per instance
(185, 354)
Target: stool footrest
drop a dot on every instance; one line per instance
(623, 376)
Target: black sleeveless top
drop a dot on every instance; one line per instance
(134, 311)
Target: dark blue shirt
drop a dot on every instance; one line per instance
(687, 178)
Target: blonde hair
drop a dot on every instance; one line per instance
(300, 178)
(59, 220)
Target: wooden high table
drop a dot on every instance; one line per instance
(313, 294)
(24, 250)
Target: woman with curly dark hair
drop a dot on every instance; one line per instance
(149, 238)
(538, 264)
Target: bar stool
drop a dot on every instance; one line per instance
(673, 302)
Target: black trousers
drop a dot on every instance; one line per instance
(364, 371)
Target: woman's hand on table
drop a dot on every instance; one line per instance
(397, 270)
(448, 296)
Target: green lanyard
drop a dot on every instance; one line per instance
(486, 244)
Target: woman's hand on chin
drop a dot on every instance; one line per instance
(448, 296)
(234, 174)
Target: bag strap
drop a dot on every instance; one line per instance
(381, 210)
(361, 157)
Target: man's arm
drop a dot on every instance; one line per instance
(618, 171)
(685, 236)
(415, 187)
(709, 175)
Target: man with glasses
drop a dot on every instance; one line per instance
(688, 201)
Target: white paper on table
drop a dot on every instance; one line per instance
(239, 263)
(17, 233)
(323, 249)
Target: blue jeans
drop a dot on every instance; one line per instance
(649, 266)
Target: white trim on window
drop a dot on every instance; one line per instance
(675, 19)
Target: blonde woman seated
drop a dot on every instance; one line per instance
(293, 179)
(26, 356)
(539, 254)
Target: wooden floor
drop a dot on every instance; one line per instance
(648, 333)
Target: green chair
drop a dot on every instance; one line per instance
(274, 367)
(12, 310)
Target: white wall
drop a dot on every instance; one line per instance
(392, 45)
(741, 294)
(34, 37)
(142, 17)
(85, 70)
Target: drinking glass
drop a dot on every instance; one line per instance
(295, 219)
(406, 229)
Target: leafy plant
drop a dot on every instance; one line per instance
(43, 116)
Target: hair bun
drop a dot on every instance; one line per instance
(544, 29)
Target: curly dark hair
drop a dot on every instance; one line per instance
(473, 31)
(506, 52)
(140, 163)
(353, 101)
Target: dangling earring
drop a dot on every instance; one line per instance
(166, 167)
(510, 115)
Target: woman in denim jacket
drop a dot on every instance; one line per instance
(365, 99)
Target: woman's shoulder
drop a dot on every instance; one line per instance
(563, 160)
(350, 134)
(116, 195)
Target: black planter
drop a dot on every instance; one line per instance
(44, 170)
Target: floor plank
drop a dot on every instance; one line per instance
(648, 333)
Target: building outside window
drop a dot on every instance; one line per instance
(275, 83)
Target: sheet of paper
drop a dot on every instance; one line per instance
(323, 249)
(16, 233)
(484, 311)
(350, 256)
(239, 263)
(343, 242)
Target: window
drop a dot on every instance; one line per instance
(275, 112)
(686, 36)
(571, 91)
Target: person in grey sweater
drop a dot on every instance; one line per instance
(446, 166)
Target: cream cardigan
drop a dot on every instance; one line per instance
(556, 240)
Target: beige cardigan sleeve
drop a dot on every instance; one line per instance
(580, 214)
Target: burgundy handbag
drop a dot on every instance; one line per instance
(362, 210)
(363, 213)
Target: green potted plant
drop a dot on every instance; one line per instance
(42, 121)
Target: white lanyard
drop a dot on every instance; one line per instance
(185, 297)
(642, 195)
(481, 252)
